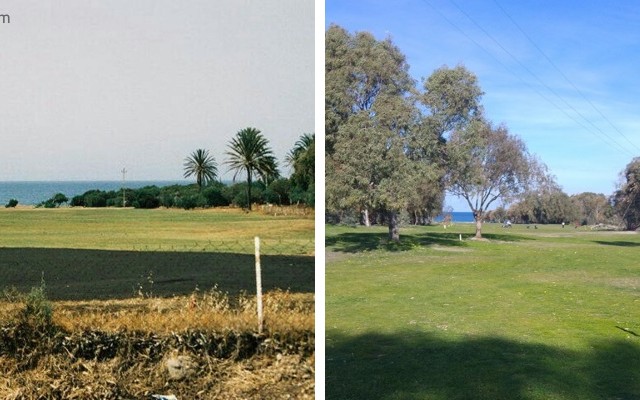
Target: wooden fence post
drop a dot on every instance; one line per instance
(258, 285)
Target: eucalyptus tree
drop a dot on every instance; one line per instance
(626, 199)
(452, 97)
(201, 165)
(593, 208)
(249, 152)
(369, 118)
(385, 137)
(487, 163)
(546, 204)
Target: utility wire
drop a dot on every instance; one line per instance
(481, 47)
(566, 78)
(536, 77)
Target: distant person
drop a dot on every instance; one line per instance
(562, 224)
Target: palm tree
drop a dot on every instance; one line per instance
(202, 165)
(302, 159)
(249, 151)
(302, 146)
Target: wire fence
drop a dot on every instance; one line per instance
(242, 246)
(159, 268)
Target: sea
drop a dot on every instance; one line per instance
(35, 192)
(457, 216)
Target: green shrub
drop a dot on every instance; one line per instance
(95, 198)
(12, 203)
(214, 195)
(38, 309)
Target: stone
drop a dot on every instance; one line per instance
(180, 367)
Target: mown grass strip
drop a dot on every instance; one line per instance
(527, 314)
(120, 253)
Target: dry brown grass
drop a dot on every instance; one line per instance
(294, 210)
(212, 310)
(118, 349)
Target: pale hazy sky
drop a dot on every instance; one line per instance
(89, 87)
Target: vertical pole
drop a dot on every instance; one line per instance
(124, 201)
(258, 285)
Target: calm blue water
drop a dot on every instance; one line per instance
(30, 193)
(458, 216)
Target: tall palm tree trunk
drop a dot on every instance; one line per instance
(249, 188)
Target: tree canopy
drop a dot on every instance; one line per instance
(249, 152)
(201, 165)
(627, 199)
(376, 156)
(488, 163)
(393, 148)
(303, 160)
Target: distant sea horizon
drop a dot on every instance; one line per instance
(34, 192)
(458, 216)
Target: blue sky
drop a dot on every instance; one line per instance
(562, 75)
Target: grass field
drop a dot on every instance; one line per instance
(548, 313)
(136, 291)
(118, 253)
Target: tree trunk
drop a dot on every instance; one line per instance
(478, 217)
(365, 217)
(249, 189)
(394, 230)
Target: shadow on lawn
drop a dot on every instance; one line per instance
(354, 242)
(102, 274)
(621, 243)
(421, 366)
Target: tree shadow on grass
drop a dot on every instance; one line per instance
(355, 242)
(417, 365)
(620, 243)
(72, 274)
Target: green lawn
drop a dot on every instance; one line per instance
(116, 253)
(548, 313)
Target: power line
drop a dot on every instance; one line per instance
(611, 143)
(536, 77)
(566, 78)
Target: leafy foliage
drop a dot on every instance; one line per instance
(38, 311)
(594, 208)
(201, 165)
(379, 150)
(12, 203)
(453, 97)
(249, 152)
(302, 159)
(626, 199)
(55, 201)
(487, 163)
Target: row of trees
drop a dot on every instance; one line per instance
(214, 194)
(394, 147)
(555, 207)
(548, 204)
(249, 153)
